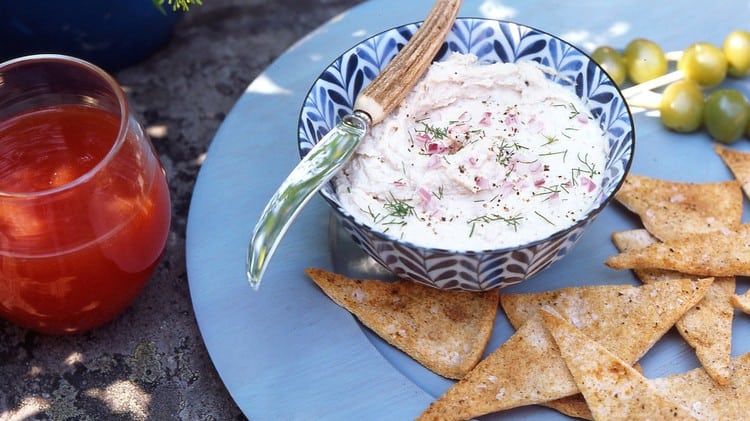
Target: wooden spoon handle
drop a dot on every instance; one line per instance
(390, 87)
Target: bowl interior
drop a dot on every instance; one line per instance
(332, 95)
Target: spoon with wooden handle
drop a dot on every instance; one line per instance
(375, 101)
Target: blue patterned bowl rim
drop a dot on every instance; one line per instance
(328, 193)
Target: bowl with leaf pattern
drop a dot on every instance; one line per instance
(492, 41)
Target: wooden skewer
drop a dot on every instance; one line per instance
(673, 55)
(648, 100)
(635, 94)
(652, 84)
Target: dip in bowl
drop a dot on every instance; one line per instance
(492, 167)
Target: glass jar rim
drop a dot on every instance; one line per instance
(124, 115)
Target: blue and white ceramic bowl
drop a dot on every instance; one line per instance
(332, 96)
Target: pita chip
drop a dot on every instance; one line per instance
(742, 302)
(573, 406)
(707, 327)
(446, 331)
(527, 369)
(637, 239)
(738, 163)
(624, 318)
(524, 370)
(721, 253)
(612, 388)
(668, 209)
(696, 391)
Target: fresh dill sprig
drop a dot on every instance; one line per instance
(376, 217)
(512, 221)
(544, 218)
(549, 191)
(574, 112)
(397, 210)
(550, 139)
(563, 152)
(505, 151)
(570, 106)
(433, 131)
(588, 168)
(439, 193)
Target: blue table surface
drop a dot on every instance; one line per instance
(288, 352)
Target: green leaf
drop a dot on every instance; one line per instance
(183, 5)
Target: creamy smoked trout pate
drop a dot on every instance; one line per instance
(478, 156)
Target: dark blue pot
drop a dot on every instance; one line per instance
(109, 33)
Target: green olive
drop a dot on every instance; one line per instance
(726, 115)
(736, 48)
(681, 106)
(644, 60)
(612, 62)
(703, 63)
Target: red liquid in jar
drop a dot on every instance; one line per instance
(76, 256)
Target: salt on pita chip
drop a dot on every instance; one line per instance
(612, 388)
(527, 369)
(707, 327)
(626, 319)
(668, 208)
(575, 406)
(636, 239)
(721, 253)
(696, 391)
(742, 301)
(738, 163)
(446, 331)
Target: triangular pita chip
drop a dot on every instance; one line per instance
(721, 253)
(738, 163)
(612, 388)
(707, 327)
(627, 319)
(669, 208)
(742, 301)
(696, 391)
(527, 369)
(446, 331)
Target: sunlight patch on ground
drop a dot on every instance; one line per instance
(124, 397)
(200, 159)
(157, 131)
(74, 358)
(30, 407)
